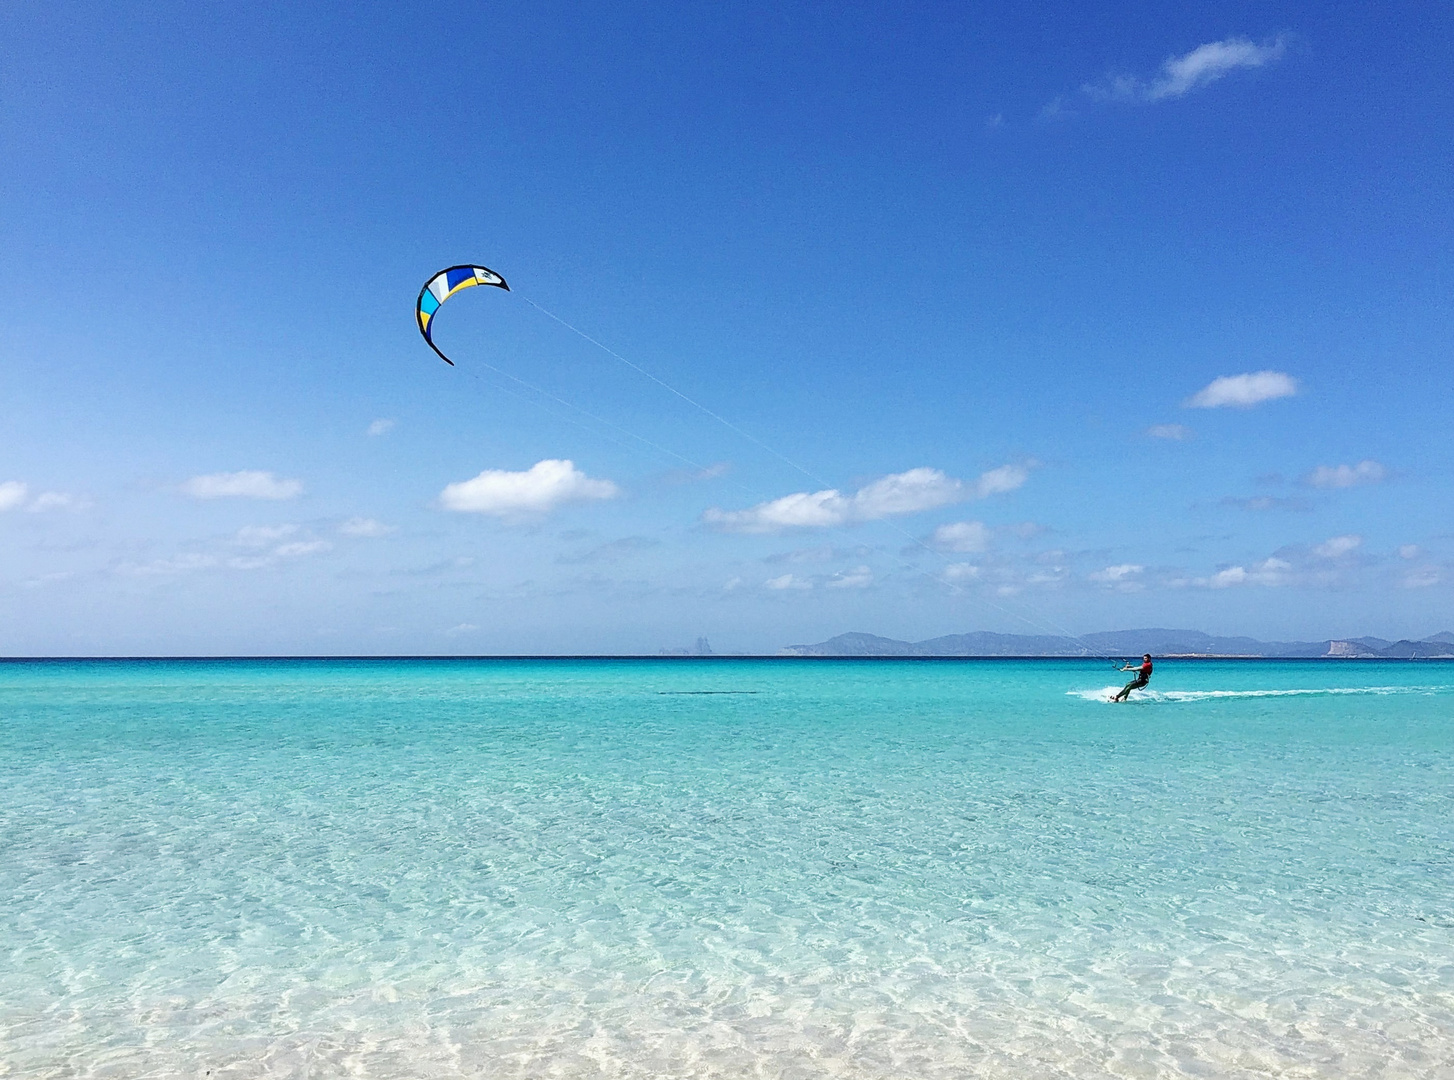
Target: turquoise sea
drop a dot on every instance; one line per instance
(728, 868)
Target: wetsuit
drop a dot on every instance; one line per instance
(1143, 676)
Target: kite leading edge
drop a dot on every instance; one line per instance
(441, 287)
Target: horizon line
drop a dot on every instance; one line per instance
(200, 657)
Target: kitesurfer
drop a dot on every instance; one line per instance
(1143, 676)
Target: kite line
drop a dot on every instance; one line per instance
(454, 279)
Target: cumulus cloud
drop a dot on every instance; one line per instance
(364, 526)
(961, 537)
(787, 581)
(536, 491)
(1114, 575)
(1174, 432)
(1190, 71)
(247, 484)
(1270, 572)
(381, 426)
(1346, 476)
(860, 577)
(1243, 391)
(962, 571)
(1224, 579)
(13, 495)
(1338, 547)
(890, 496)
(1409, 551)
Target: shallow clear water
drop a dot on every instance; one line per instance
(856, 869)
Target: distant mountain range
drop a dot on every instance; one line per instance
(1158, 642)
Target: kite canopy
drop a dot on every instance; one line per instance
(441, 287)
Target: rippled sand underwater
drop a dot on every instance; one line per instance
(860, 869)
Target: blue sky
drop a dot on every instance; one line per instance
(1046, 318)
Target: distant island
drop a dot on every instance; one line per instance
(1158, 641)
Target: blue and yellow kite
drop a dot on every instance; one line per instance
(441, 287)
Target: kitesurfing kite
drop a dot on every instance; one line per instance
(441, 287)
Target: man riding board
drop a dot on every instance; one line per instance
(1143, 676)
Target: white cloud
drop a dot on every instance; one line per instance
(12, 495)
(787, 581)
(860, 577)
(890, 496)
(462, 628)
(247, 484)
(961, 537)
(1233, 575)
(961, 571)
(176, 564)
(1346, 476)
(1181, 75)
(1004, 479)
(820, 509)
(295, 549)
(254, 547)
(1115, 574)
(47, 579)
(15, 495)
(1409, 551)
(263, 535)
(905, 493)
(1270, 572)
(1207, 63)
(1421, 578)
(362, 526)
(1243, 391)
(536, 491)
(299, 548)
(53, 500)
(1175, 432)
(381, 426)
(1338, 546)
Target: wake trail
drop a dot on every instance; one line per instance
(1181, 697)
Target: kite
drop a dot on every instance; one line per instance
(441, 287)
